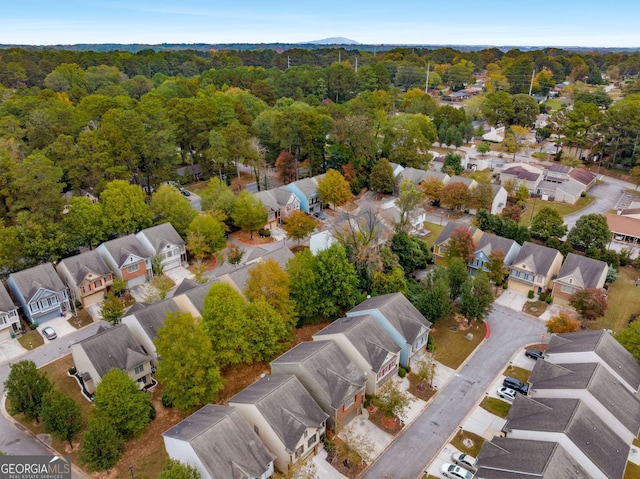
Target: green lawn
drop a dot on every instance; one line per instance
(518, 373)
(555, 104)
(496, 406)
(624, 300)
(458, 443)
(435, 230)
(31, 339)
(534, 205)
(453, 347)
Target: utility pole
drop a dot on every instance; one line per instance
(356, 64)
(426, 88)
(288, 62)
(532, 77)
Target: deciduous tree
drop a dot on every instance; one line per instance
(629, 337)
(124, 208)
(337, 282)
(563, 323)
(476, 297)
(269, 281)
(298, 225)
(457, 274)
(83, 223)
(61, 416)
(26, 386)
(431, 188)
(334, 189)
(498, 271)
(102, 445)
(270, 333)
(408, 200)
(301, 271)
(174, 469)
(206, 234)
(591, 303)
(461, 245)
(249, 213)
(112, 309)
(548, 223)
(382, 179)
(455, 196)
(168, 205)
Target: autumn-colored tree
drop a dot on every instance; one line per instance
(382, 179)
(287, 167)
(461, 245)
(455, 196)
(431, 187)
(408, 200)
(268, 280)
(511, 212)
(563, 323)
(299, 225)
(481, 197)
(590, 303)
(334, 189)
(498, 271)
(510, 186)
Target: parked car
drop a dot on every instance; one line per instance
(464, 460)
(320, 215)
(507, 393)
(185, 192)
(455, 472)
(515, 384)
(534, 353)
(49, 333)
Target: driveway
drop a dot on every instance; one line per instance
(421, 441)
(606, 194)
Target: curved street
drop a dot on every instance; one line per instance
(419, 443)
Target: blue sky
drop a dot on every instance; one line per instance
(499, 22)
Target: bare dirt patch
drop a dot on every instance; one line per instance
(245, 237)
(535, 308)
(392, 425)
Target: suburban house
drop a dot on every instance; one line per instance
(9, 320)
(437, 164)
(577, 273)
(534, 268)
(507, 458)
(499, 200)
(401, 320)
(144, 322)
(367, 344)
(280, 203)
(128, 259)
(572, 424)
(470, 183)
(108, 349)
(87, 276)
(522, 174)
(417, 176)
(306, 190)
(624, 228)
(594, 386)
(190, 296)
(332, 379)
(217, 441)
(440, 246)
(489, 243)
(90, 194)
(596, 347)
(40, 292)
(164, 242)
(495, 135)
(564, 183)
(285, 417)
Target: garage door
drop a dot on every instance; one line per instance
(5, 333)
(135, 281)
(173, 263)
(93, 298)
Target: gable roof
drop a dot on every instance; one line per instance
(308, 186)
(223, 441)
(489, 242)
(152, 317)
(366, 335)
(585, 270)
(184, 286)
(268, 200)
(286, 406)
(162, 235)
(450, 228)
(582, 176)
(6, 304)
(29, 281)
(521, 173)
(121, 248)
(605, 346)
(576, 420)
(468, 182)
(539, 257)
(629, 211)
(625, 225)
(559, 168)
(337, 377)
(81, 265)
(596, 379)
(398, 310)
(414, 174)
(240, 274)
(507, 458)
(113, 348)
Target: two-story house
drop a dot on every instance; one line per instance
(522, 174)
(418, 176)
(367, 344)
(87, 276)
(401, 320)
(280, 203)
(128, 258)
(9, 320)
(534, 268)
(577, 273)
(489, 243)
(164, 242)
(217, 441)
(110, 348)
(306, 190)
(40, 292)
(332, 379)
(285, 417)
(440, 249)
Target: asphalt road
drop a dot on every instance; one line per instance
(409, 454)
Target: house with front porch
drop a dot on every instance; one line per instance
(279, 203)
(368, 345)
(489, 243)
(87, 276)
(534, 268)
(110, 348)
(284, 416)
(219, 443)
(9, 320)
(164, 242)
(401, 320)
(577, 273)
(128, 259)
(40, 292)
(332, 379)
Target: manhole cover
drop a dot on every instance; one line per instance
(467, 443)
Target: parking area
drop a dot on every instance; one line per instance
(60, 325)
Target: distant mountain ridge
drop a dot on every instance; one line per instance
(332, 41)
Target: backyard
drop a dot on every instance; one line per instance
(534, 205)
(450, 332)
(623, 299)
(434, 231)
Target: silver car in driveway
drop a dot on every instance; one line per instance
(49, 333)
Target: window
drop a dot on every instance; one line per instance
(349, 402)
(3, 320)
(139, 369)
(97, 284)
(567, 289)
(133, 268)
(299, 451)
(306, 433)
(143, 380)
(311, 440)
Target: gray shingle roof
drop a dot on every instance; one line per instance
(186, 285)
(80, 265)
(336, 376)
(489, 242)
(507, 458)
(161, 235)
(224, 442)
(367, 336)
(605, 346)
(398, 310)
(414, 174)
(268, 200)
(32, 279)
(450, 228)
(521, 173)
(113, 348)
(538, 256)
(152, 317)
(308, 186)
(578, 422)
(286, 406)
(121, 248)
(462, 179)
(596, 379)
(240, 275)
(6, 304)
(587, 271)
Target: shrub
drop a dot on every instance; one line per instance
(505, 286)
(264, 233)
(402, 372)
(530, 294)
(542, 297)
(583, 194)
(33, 326)
(72, 371)
(167, 401)
(408, 368)
(549, 299)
